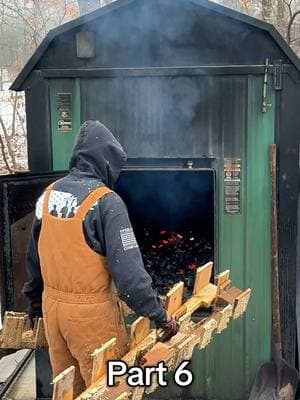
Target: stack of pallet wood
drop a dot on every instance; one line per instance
(16, 333)
(216, 304)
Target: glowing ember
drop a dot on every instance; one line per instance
(170, 256)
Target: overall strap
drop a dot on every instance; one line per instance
(90, 200)
(46, 198)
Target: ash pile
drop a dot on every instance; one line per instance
(170, 257)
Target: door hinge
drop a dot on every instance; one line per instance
(277, 74)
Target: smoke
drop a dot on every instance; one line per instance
(171, 200)
(161, 115)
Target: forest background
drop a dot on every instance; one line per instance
(24, 23)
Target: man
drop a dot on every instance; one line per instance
(81, 241)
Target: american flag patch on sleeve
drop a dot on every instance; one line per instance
(128, 239)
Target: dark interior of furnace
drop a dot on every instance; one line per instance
(172, 213)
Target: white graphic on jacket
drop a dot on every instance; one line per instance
(61, 204)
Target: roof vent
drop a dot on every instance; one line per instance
(85, 44)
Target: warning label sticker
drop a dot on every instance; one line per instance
(232, 185)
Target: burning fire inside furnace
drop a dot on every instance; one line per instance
(172, 214)
(170, 257)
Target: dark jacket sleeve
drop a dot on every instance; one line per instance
(109, 232)
(33, 288)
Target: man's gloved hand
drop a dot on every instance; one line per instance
(170, 327)
(30, 321)
(33, 314)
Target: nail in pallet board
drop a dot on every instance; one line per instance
(223, 303)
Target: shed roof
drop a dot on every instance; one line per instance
(52, 34)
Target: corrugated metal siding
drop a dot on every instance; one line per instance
(227, 368)
(200, 116)
(168, 116)
(221, 117)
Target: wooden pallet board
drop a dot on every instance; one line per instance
(100, 358)
(236, 297)
(174, 298)
(224, 300)
(63, 385)
(16, 333)
(221, 302)
(203, 276)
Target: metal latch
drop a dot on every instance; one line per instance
(277, 74)
(265, 105)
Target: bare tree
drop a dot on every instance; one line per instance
(292, 30)
(23, 24)
(283, 14)
(267, 11)
(86, 6)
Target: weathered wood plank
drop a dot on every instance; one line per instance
(140, 329)
(223, 281)
(174, 298)
(100, 357)
(241, 303)
(203, 276)
(63, 385)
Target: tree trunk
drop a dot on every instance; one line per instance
(86, 6)
(281, 17)
(267, 11)
(292, 20)
(2, 147)
(8, 144)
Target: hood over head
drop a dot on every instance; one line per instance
(97, 153)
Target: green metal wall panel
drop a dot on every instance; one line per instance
(229, 123)
(62, 142)
(226, 369)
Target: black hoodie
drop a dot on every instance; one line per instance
(96, 161)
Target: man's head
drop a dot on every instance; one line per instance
(97, 153)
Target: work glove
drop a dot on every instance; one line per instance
(170, 327)
(33, 314)
(30, 321)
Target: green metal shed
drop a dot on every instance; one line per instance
(188, 84)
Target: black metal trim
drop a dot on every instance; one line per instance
(7, 288)
(155, 71)
(7, 273)
(170, 163)
(31, 176)
(7, 385)
(292, 72)
(44, 387)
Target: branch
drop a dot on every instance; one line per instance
(64, 13)
(10, 152)
(295, 40)
(21, 121)
(16, 11)
(4, 155)
(289, 27)
(14, 99)
(289, 6)
(44, 27)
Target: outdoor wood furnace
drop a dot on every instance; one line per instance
(195, 93)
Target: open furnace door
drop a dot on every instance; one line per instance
(172, 213)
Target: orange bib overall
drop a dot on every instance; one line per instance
(80, 308)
